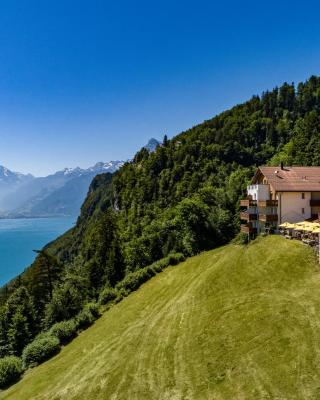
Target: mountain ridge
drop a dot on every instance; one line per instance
(28, 196)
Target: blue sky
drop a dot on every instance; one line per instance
(84, 81)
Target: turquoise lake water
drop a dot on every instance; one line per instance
(18, 237)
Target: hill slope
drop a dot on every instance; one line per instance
(232, 323)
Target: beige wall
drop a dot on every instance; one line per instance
(291, 204)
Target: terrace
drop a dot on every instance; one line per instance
(247, 216)
(268, 217)
(248, 203)
(306, 231)
(248, 228)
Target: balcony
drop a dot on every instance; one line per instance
(268, 203)
(268, 217)
(314, 203)
(248, 203)
(248, 229)
(248, 216)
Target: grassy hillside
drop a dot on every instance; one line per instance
(232, 323)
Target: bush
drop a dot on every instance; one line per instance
(135, 279)
(175, 258)
(41, 349)
(10, 370)
(93, 308)
(158, 266)
(107, 295)
(121, 294)
(241, 238)
(84, 319)
(65, 331)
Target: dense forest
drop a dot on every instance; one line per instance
(180, 199)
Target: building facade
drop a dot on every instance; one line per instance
(280, 194)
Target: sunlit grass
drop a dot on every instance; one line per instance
(232, 323)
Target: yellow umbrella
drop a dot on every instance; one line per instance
(307, 228)
(284, 225)
(297, 227)
(290, 226)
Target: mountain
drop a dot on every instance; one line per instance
(152, 145)
(59, 194)
(10, 180)
(232, 323)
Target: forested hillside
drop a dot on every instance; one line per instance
(181, 198)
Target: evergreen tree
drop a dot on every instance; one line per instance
(19, 334)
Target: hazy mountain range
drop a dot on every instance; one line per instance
(59, 194)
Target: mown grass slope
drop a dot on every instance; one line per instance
(232, 323)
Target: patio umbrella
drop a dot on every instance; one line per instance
(307, 228)
(284, 225)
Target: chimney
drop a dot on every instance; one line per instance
(281, 165)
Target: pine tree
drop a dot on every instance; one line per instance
(18, 333)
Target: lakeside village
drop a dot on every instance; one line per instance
(283, 200)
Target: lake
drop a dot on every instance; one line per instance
(19, 237)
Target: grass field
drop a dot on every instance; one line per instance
(232, 323)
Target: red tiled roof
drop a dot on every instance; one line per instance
(291, 179)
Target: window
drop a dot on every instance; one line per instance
(302, 210)
(302, 195)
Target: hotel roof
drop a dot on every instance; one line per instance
(290, 179)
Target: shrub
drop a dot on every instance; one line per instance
(10, 370)
(107, 295)
(93, 308)
(241, 238)
(175, 258)
(135, 279)
(84, 319)
(41, 349)
(65, 331)
(121, 293)
(158, 266)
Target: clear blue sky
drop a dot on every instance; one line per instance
(84, 81)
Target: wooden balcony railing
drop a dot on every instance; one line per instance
(268, 203)
(248, 216)
(268, 217)
(247, 229)
(248, 203)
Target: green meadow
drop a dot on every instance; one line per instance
(237, 322)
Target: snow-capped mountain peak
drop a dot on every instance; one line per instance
(11, 177)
